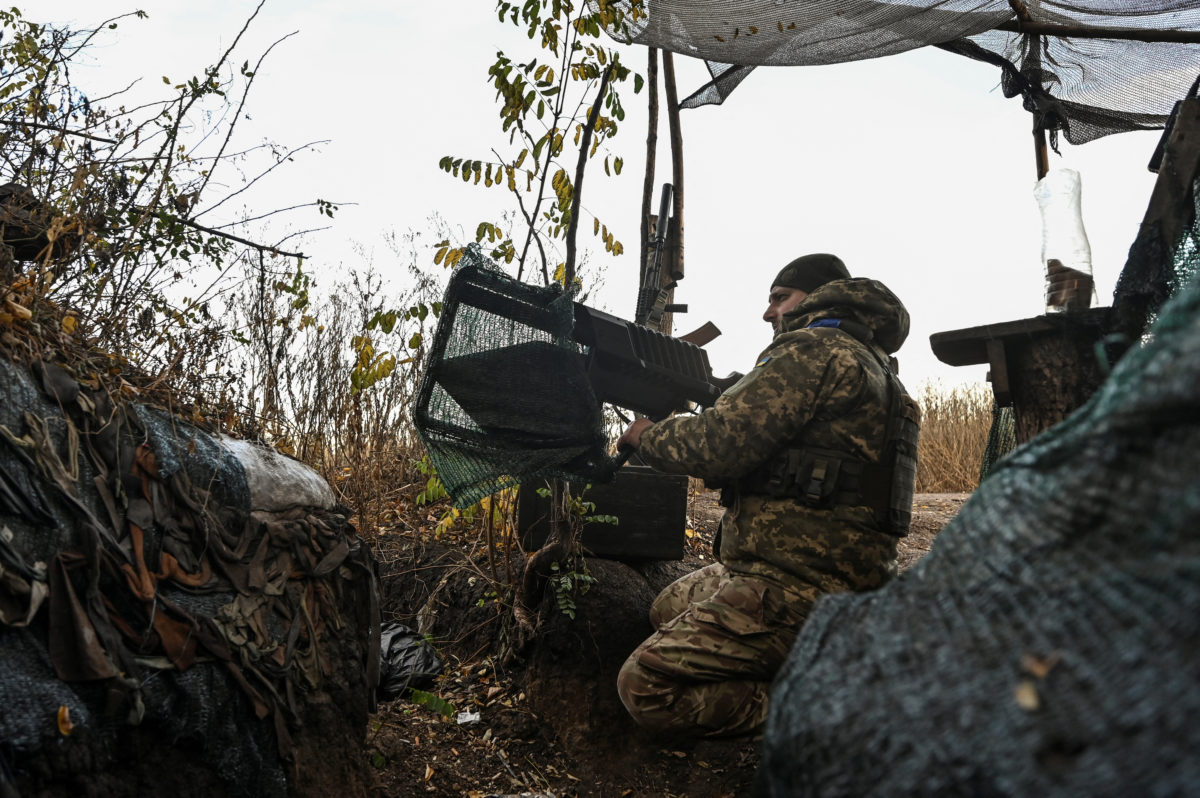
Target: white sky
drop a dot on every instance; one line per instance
(914, 168)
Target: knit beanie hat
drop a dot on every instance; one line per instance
(810, 272)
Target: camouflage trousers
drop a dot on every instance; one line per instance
(721, 638)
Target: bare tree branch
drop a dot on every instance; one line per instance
(56, 129)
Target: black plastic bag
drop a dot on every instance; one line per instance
(406, 660)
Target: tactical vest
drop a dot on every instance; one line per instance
(823, 478)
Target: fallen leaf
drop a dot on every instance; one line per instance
(428, 773)
(1039, 667)
(65, 726)
(1026, 696)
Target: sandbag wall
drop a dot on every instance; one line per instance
(179, 612)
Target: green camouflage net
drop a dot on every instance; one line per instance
(1002, 438)
(505, 396)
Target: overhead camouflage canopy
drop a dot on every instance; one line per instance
(1122, 67)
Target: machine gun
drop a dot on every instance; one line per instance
(517, 374)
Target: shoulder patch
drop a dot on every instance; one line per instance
(763, 361)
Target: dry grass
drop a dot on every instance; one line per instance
(955, 421)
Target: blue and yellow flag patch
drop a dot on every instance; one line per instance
(764, 360)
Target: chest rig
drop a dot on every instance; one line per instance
(822, 478)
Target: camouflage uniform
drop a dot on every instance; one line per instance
(725, 630)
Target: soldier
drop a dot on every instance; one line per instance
(814, 450)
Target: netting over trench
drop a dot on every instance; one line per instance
(1084, 87)
(1046, 644)
(505, 396)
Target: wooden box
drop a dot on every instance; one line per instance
(651, 509)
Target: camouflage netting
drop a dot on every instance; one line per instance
(163, 629)
(1084, 87)
(1047, 645)
(505, 396)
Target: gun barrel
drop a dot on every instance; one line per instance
(664, 215)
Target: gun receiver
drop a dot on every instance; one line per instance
(652, 295)
(641, 369)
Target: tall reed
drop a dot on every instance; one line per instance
(955, 420)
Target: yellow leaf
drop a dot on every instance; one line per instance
(69, 323)
(1039, 667)
(1026, 696)
(65, 726)
(19, 311)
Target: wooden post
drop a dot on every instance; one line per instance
(1040, 153)
(1168, 214)
(1053, 374)
(651, 157)
(675, 263)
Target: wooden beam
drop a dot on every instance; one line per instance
(651, 156)
(1035, 28)
(1041, 152)
(674, 270)
(1170, 201)
(998, 372)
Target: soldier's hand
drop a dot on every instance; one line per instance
(631, 438)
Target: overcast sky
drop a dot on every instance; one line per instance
(914, 168)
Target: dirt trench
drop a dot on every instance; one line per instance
(546, 720)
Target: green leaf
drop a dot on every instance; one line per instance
(431, 702)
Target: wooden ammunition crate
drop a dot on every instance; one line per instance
(651, 509)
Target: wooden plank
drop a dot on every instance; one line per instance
(968, 346)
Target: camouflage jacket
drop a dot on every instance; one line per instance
(813, 386)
